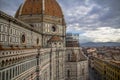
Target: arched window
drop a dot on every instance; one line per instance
(68, 73)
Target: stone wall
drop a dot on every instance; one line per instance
(76, 64)
(16, 34)
(22, 64)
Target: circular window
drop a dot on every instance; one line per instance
(23, 38)
(53, 29)
(37, 40)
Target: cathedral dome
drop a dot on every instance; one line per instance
(36, 7)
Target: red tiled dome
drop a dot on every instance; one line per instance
(33, 7)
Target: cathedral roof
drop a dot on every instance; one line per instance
(54, 39)
(36, 7)
(74, 57)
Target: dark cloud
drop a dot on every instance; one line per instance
(108, 12)
(80, 15)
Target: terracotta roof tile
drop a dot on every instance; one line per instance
(116, 62)
(54, 38)
(52, 8)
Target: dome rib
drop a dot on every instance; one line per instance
(33, 7)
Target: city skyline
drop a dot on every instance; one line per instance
(94, 20)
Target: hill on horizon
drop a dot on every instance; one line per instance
(100, 44)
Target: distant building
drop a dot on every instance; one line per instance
(104, 69)
(104, 63)
(72, 40)
(91, 52)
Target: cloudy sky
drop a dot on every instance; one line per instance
(94, 20)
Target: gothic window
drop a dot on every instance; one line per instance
(1, 37)
(68, 57)
(10, 74)
(1, 27)
(37, 41)
(0, 76)
(5, 38)
(5, 29)
(83, 71)
(3, 62)
(10, 31)
(21, 69)
(13, 72)
(23, 38)
(7, 75)
(13, 31)
(68, 73)
(3, 75)
(16, 71)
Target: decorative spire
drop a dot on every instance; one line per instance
(43, 6)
